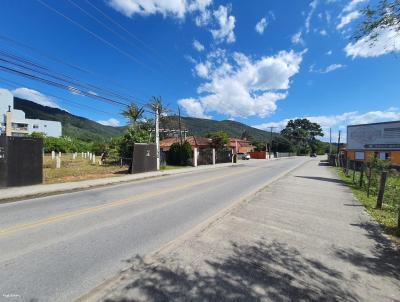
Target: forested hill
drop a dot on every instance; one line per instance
(88, 130)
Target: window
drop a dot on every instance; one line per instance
(384, 155)
(359, 155)
(35, 126)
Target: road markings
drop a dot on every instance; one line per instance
(58, 218)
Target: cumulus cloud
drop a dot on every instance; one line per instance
(380, 42)
(35, 96)
(198, 46)
(175, 8)
(340, 121)
(226, 25)
(261, 25)
(239, 86)
(193, 108)
(110, 122)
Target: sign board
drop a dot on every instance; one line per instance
(379, 136)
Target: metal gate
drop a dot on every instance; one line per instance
(21, 161)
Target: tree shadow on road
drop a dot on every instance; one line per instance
(256, 272)
(383, 259)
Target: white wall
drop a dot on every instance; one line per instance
(50, 128)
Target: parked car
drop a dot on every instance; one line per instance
(313, 154)
(246, 156)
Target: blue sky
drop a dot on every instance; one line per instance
(258, 62)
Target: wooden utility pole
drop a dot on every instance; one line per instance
(381, 192)
(330, 141)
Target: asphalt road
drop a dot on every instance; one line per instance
(58, 248)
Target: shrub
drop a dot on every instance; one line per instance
(180, 154)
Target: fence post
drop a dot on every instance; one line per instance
(347, 167)
(58, 162)
(213, 156)
(195, 157)
(381, 192)
(354, 172)
(361, 180)
(369, 180)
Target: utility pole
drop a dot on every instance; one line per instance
(157, 111)
(180, 125)
(338, 149)
(330, 141)
(270, 140)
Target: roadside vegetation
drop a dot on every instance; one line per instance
(365, 188)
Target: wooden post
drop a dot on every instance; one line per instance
(354, 172)
(369, 180)
(361, 180)
(347, 167)
(381, 192)
(53, 155)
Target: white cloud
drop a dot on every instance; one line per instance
(340, 121)
(327, 69)
(261, 25)
(387, 40)
(297, 38)
(352, 5)
(174, 8)
(35, 96)
(226, 25)
(347, 19)
(323, 32)
(329, 52)
(202, 70)
(241, 86)
(198, 46)
(193, 108)
(110, 122)
(313, 7)
(333, 67)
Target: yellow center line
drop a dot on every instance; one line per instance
(58, 218)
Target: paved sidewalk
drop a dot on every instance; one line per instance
(49, 189)
(303, 238)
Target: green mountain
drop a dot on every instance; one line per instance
(72, 125)
(198, 126)
(88, 130)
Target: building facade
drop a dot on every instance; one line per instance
(14, 123)
(381, 140)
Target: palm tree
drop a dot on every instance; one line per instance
(133, 113)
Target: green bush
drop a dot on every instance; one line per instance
(180, 154)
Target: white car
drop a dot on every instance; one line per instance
(246, 156)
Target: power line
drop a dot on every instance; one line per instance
(62, 62)
(64, 100)
(94, 35)
(58, 76)
(124, 29)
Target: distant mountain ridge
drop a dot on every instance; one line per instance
(88, 130)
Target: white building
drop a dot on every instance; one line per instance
(14, 123)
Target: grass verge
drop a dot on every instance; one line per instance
(387, 216)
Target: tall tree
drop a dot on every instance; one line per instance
(385, 15)
(133, 113)
(302, 133)
(220, 139)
